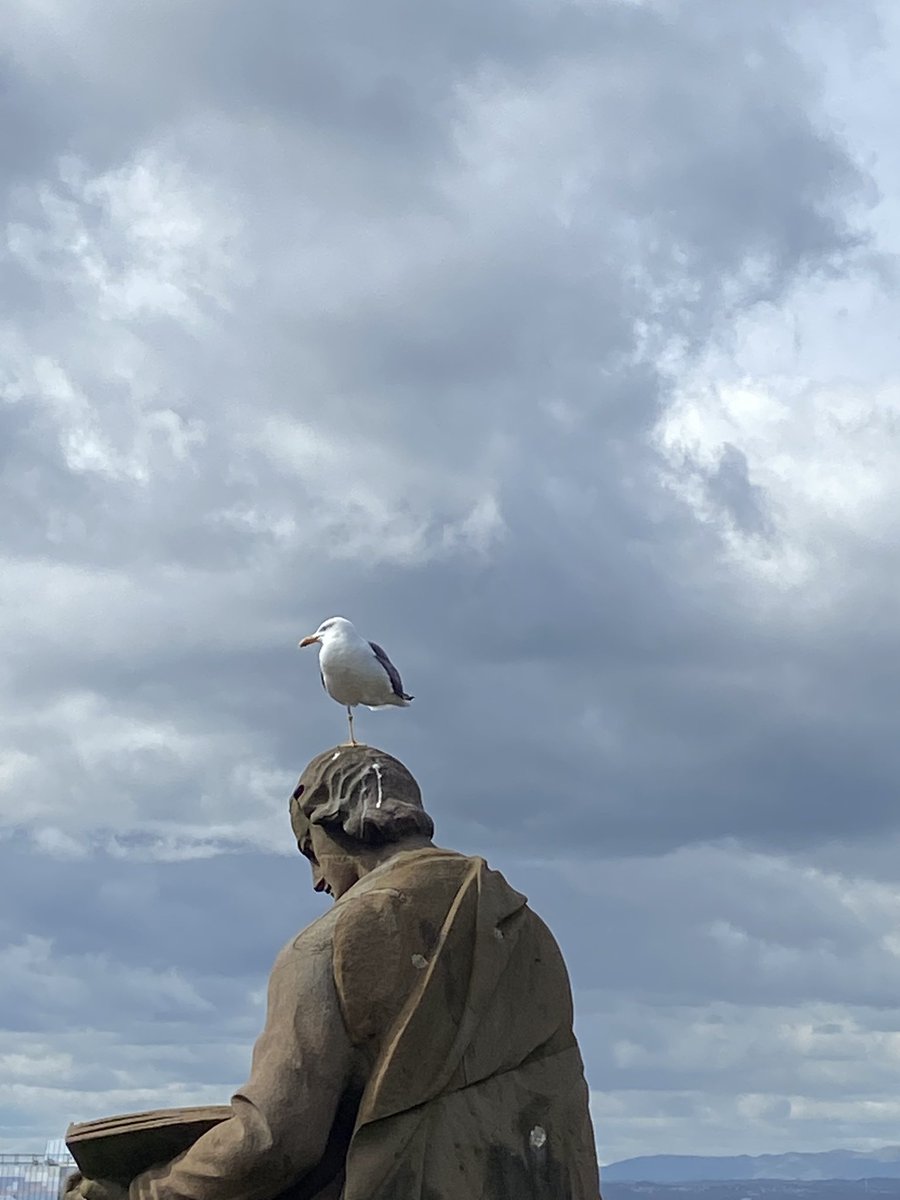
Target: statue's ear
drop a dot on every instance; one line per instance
(325, 809)
(299, 819)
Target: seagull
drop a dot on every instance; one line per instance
(355, 671)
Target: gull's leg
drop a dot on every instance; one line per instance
(353, 741)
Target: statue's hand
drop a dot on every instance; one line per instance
(71, 1188)
(79, 1188)
(103, 1189)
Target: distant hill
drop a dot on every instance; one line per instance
(830, 1164)
(757, 1189)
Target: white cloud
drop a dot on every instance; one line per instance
(156, 803)
(825, 460)
(143, 240)
(372, 500)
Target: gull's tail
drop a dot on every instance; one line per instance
(401, 701)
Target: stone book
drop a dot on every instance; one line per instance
(121, 1147)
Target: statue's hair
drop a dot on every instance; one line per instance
(362, 793)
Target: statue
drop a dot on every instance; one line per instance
(418, 1040)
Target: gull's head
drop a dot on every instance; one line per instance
(328, 631)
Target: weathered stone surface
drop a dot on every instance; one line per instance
(418, 1041)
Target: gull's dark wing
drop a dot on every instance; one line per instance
(393, 673)
(322, 677)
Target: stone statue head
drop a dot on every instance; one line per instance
(351, 802)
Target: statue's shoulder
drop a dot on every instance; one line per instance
(314, 941)
(386, 928)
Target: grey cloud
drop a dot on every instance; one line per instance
(730, 487)
(193, 916)
(712, 924)
(362, 312)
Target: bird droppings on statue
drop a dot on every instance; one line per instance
(355, 671)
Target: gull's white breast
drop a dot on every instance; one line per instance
(353, 675)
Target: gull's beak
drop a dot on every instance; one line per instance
(308, 641)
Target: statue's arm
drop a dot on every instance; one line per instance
(302, 1065)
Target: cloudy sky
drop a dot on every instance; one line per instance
(555, 343)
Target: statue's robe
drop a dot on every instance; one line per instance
(418, 1044)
